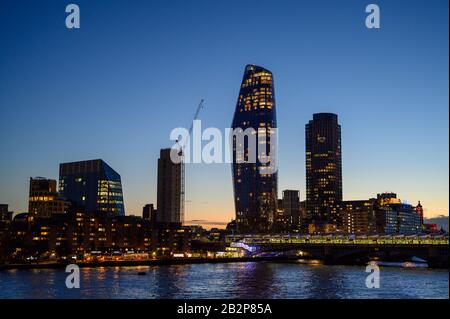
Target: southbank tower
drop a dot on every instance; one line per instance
(323, 167)
(254, 183)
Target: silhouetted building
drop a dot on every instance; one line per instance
(93, 185)
(5, 214)
(149, 213)
(231, 227)
(43, 200)
(323, 167)
(281, 224)
(19, 238)
(5, 229)
(291, 207)
(302, 211)
(254, 182)
(169, 189)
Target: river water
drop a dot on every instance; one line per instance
(228, 280)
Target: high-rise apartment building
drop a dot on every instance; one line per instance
(169, 198)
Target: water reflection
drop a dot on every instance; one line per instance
(222, 281)
(255, 280)
(168, 281)
(323, 282)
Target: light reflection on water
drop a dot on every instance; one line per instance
(233, 280)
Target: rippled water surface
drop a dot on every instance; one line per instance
(233, 280)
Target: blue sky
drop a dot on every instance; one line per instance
(116, 87)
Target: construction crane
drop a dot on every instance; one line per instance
(181, 154)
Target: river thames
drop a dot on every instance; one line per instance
(270, 280)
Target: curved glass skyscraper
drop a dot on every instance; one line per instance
(254, 164)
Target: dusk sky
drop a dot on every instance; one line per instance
(115, 88)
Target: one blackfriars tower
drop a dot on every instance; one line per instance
(254, 185)
(323, 167)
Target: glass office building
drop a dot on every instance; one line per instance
(255, 188)
(93, 185)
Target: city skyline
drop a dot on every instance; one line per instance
(392, 126)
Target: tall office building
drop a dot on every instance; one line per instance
(323, 168)
(43, 200)
(291, 207)
(255, 187)
(93, 185)
(169, 189)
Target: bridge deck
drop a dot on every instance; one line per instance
(340, 240)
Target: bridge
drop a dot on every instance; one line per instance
(350, 249)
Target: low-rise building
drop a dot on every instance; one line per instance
(44, 201)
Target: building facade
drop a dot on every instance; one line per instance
(82, 234)
(44, 200)
(169, 198)
(93, 185)
(385, 214)
(387, 222)
(281, 224)
(408, 220)
(357, 216)
(323, 167)
(254, 180)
